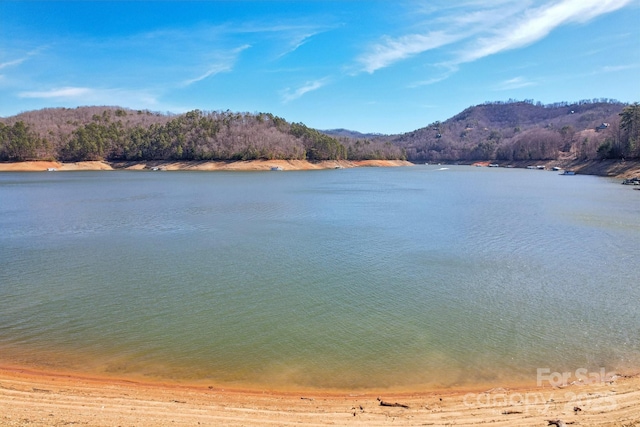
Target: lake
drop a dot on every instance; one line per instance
(369, 278)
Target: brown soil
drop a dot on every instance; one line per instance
(610, 168)
(31, 398)
(254, 165)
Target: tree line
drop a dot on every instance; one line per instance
(522, 131)
(124, 135)
(501, 131)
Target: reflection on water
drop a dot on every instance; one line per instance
(360, 278)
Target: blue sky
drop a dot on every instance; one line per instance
(366, 65)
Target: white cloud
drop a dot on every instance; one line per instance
(20, 60)
(430, 81)
(12, 63)
(447, 23)
(290, 95)
(215, 69)
(297, 41)
(65, 92)
(477, 30)
(71, 95)
(392, 50)
(614, 68)
(515, 83)
(535, 24)
(450, 69)
(226, 62)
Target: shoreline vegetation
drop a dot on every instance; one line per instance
(498, 132)
(621, 169)
(47, 398)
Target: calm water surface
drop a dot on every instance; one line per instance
(356, 278)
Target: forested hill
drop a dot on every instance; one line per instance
(117, 134)
(501, 131)
(524, 130)
(513, 130)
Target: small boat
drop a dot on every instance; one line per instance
(631, 181)
(494, 165)
(568, 173)
(276, 168)
(555, 168)
(52, 170)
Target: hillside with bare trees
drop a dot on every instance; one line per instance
(117, 134)
(494, 131)
(522, 130)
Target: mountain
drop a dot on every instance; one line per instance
(346, 133)
(515, 131)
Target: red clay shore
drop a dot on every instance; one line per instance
(37, 398)
(253, 165)
(610, 168)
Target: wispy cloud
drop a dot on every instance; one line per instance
(293, 94)
(615, 68)
(12, 63)
(297, 41)
(450, 69)
(95, 96)
(392, 50)
(225, 64)
(64, 92)
(515, 83)
(215, 69)
(534, 24)
(428, 82)
(19, 61)
(475, 30)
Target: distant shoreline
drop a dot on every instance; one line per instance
(606, 168)
(168, 165)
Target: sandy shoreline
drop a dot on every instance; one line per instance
(37, 398)
(609, 168)
(253, 165)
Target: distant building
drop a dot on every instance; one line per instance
(603, 126)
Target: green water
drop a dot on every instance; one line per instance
(344, 279)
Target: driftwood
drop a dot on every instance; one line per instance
(397, 405)
(559, 423)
